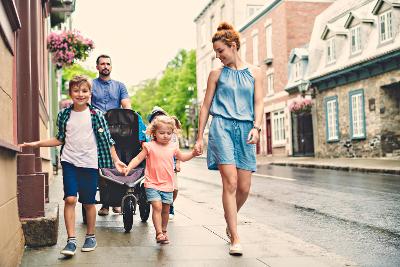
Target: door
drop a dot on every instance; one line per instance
(268, 133)
(303, 139)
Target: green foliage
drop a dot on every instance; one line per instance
(71, 71)
(175, 89)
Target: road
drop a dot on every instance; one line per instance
(355, 215)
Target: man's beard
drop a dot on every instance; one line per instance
(105, 73)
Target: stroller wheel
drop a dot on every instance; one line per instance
(128, 213)
(144, 206)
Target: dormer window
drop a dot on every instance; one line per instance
(330, 51)
(355, 37)
(297, 70)
(385, 26)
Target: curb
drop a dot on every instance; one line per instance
(341, 168)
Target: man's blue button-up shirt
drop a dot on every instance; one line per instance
(107, 95)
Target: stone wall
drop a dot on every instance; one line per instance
(12, 239)
(381, 115)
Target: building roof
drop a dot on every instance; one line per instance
(204, 10)
(337, 15)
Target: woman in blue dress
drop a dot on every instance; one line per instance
(234, 98)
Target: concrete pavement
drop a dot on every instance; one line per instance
(197, 237)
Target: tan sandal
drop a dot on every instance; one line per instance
(161, 238)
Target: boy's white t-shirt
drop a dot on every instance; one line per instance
(80, 148)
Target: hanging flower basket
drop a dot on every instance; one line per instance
(67, 47)
(300, 105)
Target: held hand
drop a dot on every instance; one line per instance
(195, 153)
(177, 167)
(30, 144)
(120, 166)
(253, 137)
(198, 148)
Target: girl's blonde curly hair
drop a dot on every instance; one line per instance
(161, 119)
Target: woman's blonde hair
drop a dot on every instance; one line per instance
(227, 34)
(161, 119)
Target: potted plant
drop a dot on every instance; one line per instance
(300, 105)
(67, 47)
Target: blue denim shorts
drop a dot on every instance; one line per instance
(80, 180)
(157, 195)
(227, 144)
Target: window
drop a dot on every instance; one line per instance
(203, 37)
(332, 123)
(268, 41)
(357, 114)
(355, 34)
(212, 25)
(222, 12)
(330, 51)
(252, 9)
(270, 83)
(278, 128)
(255, 49)
(297, 70)
(243, 50)
(385, 26)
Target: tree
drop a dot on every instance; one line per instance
(175, 89)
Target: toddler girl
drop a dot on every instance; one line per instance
(159, 183)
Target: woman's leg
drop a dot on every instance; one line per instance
(90, 218)
(243, 187)
(229, 177)
(69, 215)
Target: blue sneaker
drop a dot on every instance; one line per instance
(90, 244)
(69, 249)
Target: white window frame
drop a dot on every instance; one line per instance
(386, 26)
(297, 70)
(268, 41)
(355, 39)
(252, 9)
(203, 34)
(222, 11)
(330, 51)
(357, 118)
(270, 83)
(255, 49)
(278, 128)
(212, 24)
(332, 128)
(243, 50)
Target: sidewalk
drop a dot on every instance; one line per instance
(378, 165)
(197, 237)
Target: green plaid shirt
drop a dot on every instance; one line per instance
(100, 129)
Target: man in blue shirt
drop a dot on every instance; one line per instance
(110, 94)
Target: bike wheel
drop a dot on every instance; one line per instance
(144, 206)
(128, 213)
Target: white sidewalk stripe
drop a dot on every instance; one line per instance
(274, 177)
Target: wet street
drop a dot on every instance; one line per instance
(293, 217)
(355, 215)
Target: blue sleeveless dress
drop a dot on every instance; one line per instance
(232, 109)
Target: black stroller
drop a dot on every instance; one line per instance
(118, 190)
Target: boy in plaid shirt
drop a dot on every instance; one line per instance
(86, 146)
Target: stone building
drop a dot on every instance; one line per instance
(354, 64)
(267, 41)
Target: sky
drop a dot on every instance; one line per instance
(140, 36)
